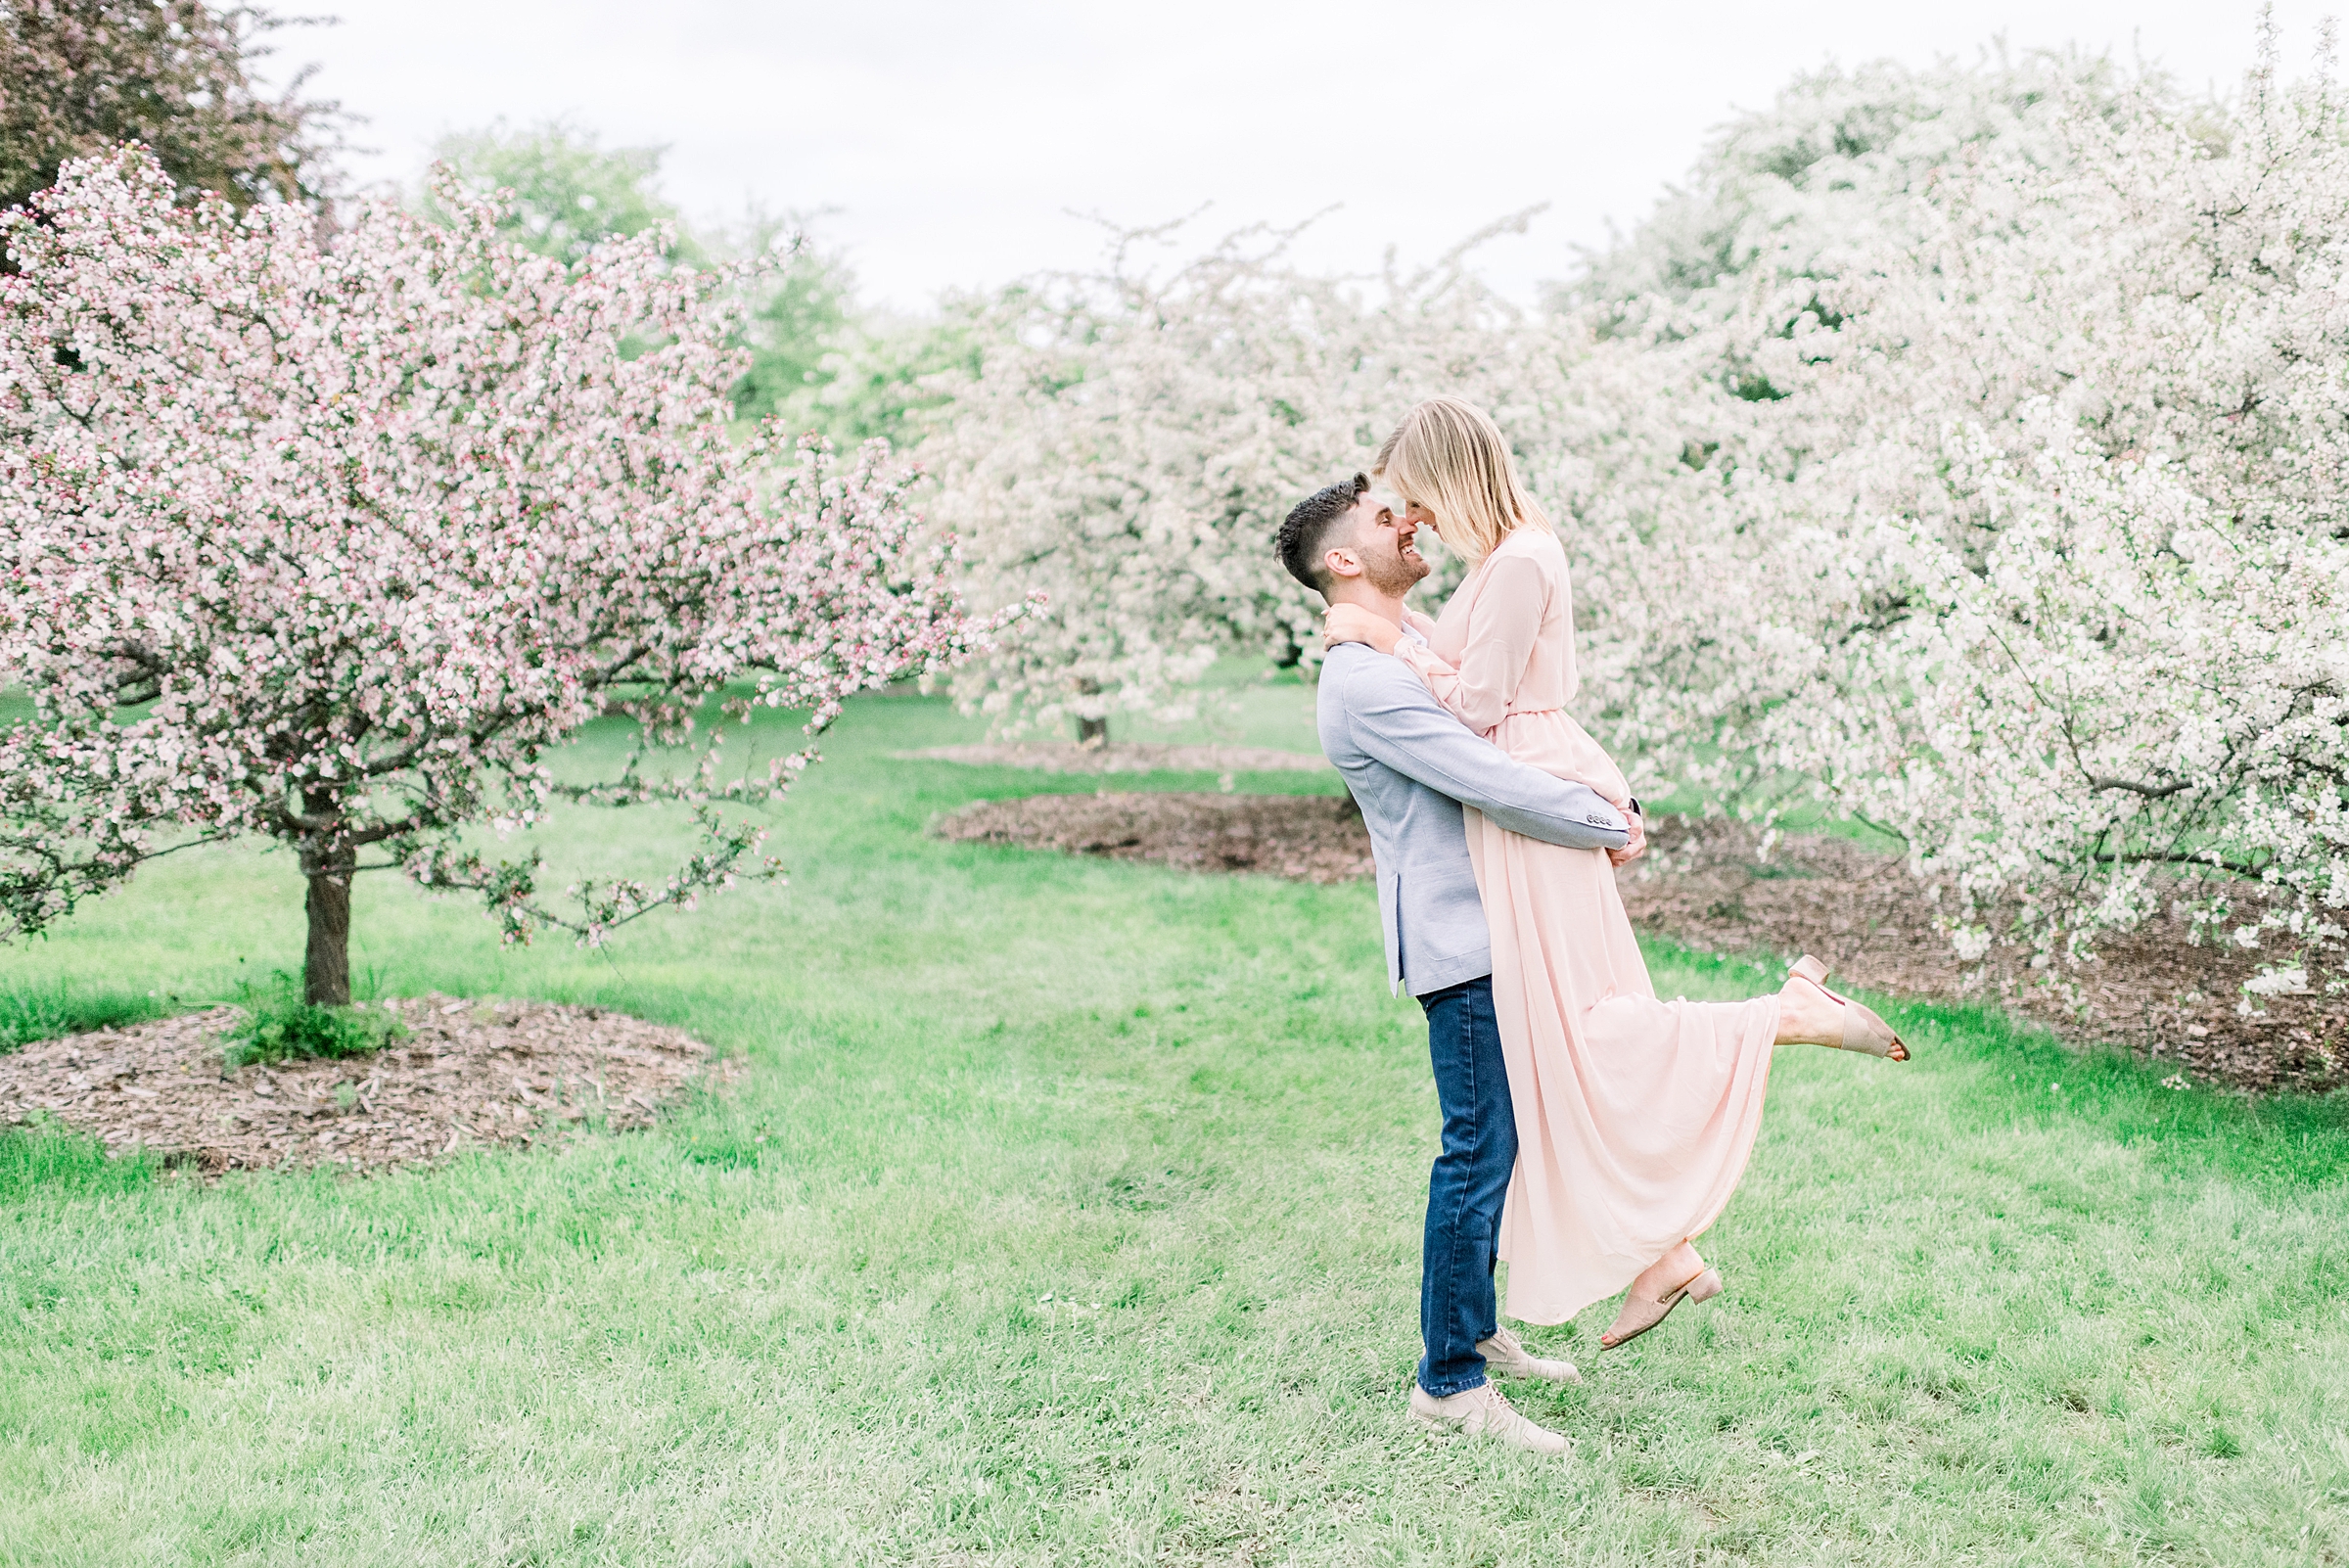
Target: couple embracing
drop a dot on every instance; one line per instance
(1589, 1130)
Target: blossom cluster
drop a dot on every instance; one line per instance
(332, 541)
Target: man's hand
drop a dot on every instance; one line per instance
(1639, 844)
(1351, 622)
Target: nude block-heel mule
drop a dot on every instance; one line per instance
(1863, 1029)
(1638, 1316)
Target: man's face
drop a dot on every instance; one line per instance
(1382, 546)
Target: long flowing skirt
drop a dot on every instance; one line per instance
(1635, 1116)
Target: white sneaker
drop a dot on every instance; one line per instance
(1507, 1354)
(1482, 1412)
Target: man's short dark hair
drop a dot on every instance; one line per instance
(1309, 524)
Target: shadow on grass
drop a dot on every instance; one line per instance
(2027, 1077)
(45, 1013)
(58, 1161)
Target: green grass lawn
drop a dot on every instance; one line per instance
(1068, 1212)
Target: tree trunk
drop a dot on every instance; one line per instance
(326, 967)
(1091, 731)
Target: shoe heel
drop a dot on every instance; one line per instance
(1705, 1286)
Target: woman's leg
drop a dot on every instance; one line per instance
(1807, 1016)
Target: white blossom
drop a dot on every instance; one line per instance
(1966, 452)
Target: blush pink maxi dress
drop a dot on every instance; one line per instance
(1635, 1116)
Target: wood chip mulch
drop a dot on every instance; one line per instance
(1124, 758)
(467, 1075)
(2149, 990)
(1306, 838)
(1706, 884)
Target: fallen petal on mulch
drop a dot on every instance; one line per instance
(496, 1074)
(1706, 884)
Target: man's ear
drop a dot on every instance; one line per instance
(1342, 563)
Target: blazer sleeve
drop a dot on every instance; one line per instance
(1502, 624)
(1394, 719)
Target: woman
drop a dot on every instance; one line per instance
(1635, 1116)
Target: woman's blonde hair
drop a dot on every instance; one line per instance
(1449, 459)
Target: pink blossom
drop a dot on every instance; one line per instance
(329, 542)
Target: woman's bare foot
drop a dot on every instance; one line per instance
(1668, 1273)
(1809, 1016)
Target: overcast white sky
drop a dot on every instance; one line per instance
(954, 140)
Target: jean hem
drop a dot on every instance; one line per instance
(1479, 1381)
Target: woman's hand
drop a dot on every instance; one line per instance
(1639, 844)
(1351, 622)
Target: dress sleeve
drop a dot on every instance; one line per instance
(1502, 624)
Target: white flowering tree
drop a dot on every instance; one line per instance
(1668, 484)
(332, 544)
(2050, 565)
(1128, 443)
(1964, 449)
(1790, 195)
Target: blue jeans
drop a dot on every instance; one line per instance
(1465, 1188)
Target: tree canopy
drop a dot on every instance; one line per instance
(79, 78)
(332, 543)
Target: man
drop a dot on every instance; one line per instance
(1411, 765)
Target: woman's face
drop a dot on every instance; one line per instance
(1415, 513)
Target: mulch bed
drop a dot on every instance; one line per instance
(2149, 990)
(1044, 758)
(493, 1075)
(1306, 838)
(1706, 884)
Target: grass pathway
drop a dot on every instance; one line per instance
(1069, 1213)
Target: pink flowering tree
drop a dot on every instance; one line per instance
(332, 544)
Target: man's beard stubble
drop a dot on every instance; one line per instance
(1398, 577)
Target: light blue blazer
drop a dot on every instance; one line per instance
(1411, 765)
